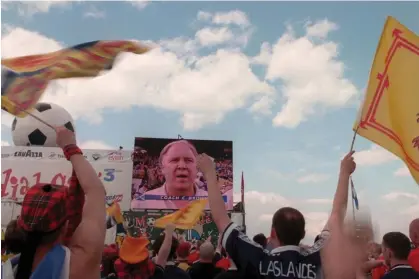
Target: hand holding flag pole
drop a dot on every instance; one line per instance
(354, 197)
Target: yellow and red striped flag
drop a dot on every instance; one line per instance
(25, 78)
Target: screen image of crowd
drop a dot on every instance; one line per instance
(148, 165)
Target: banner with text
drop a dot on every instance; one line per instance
(23, 167)
(165, 174)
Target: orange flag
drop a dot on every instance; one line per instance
(184, 218)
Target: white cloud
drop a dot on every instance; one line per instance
(235, 17)
(320, 29)
(5, 143)
(214, 36)
(95, 144)
(265, 54)
(310, 73)
(29, 8)
(320, 201)
(202, 89)
(313, 178)
(403, 171)
(376, 155)
(232, 17)
(139, 4)
(94, 12)
(202, 15)
(6, 119)
(16, 41)
(407, 205)
(263, 105)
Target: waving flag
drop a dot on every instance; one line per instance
(24, 79)
(354, 196)
(389, 115)
(185, 218)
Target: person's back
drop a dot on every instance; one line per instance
(414, 237)
(396, 249)
(205, 268)
(182, 254)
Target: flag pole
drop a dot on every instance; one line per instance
(350, 178)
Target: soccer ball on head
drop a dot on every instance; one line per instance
(29, 131)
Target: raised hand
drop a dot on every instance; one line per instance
(65, 137)
(206, 165)
(348, 165)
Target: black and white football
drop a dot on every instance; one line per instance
(28, 131)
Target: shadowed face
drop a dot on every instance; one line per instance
(179, 169)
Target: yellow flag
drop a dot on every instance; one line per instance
(185, 218)
(390, 113)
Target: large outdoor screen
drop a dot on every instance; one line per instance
(165, 173)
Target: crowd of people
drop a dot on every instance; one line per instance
(60, 234)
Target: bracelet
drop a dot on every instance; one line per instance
(70, 150)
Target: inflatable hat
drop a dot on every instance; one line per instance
(134, 249)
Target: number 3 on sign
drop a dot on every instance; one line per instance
(109, 175)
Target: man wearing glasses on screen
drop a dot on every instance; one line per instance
(178, 164)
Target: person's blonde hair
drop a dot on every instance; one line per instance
(169, 145)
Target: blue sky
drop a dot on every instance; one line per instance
(331, 47)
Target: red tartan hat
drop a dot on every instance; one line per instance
(44, 208)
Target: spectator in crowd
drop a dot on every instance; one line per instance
(170, 270)
(288, 229)
(58, 232)
(133, 261)
(182, 254)
(220, 259)
(205, 267)
(260, 239)
(194, 255)
(109, 256)
(414, 237)
(396, 249)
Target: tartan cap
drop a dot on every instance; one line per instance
(44, 208)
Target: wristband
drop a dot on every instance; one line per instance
(70, 150)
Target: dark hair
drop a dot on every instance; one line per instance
(141, 268)
(108, 264)
(398, 243)
(14, 238)
(289, 226)
(158, 243)
(23, 242)
(260, 239)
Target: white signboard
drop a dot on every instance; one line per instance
(23, 167)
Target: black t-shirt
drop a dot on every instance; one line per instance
(286, 262)
(203, 271)
(401, 272)
(229, 274)
(171, 271)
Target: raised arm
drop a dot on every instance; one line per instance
(340, 200)
(335, 263)
(216, 202)
(88, 239)
(239, 247)
(166, 246)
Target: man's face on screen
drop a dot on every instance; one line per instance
(179, 168)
